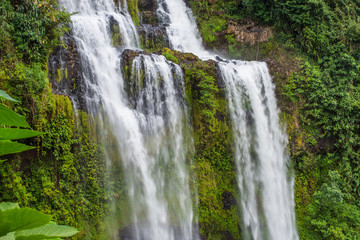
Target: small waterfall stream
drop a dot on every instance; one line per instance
(148, 120)
(182, 30)
(260, 152)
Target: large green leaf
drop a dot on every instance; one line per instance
(9, 236)
(4, 95)
(49, 231)
(4, 206)
(21, 219)
(17, 133)
(10, 118)
(9, 147)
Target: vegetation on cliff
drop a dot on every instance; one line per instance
(313, 51)
(320, 97)
(63, 176)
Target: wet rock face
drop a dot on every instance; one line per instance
(148, 5)
(228, 200)
(248, 32)
(115, 32)
(147, 10)
(131, 87)
(152, 31)
(149, 17)
(65, 72)
(153, 37)
(128, 55)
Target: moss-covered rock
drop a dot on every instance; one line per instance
(148, 15)
(214, 169)
(153, 38)
(181, 57)
(127, 57)
(116, 38)
(148, 5)
(64, 71)
(134, 10)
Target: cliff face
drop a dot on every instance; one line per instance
(315, 71)
(213, 172)
(65, 72)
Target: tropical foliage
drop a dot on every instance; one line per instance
(64, 175)
(28, 224)
(13, 127)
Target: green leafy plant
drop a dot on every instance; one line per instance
(25, 223)
(29, 224)
(13, 127)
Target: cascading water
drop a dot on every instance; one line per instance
(147, 119)
(266, 190)
(261, 159)
(157, 88)
(182, 31)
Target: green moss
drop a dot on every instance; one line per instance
(116, 37)
(152, 42)
(58, 75)
(133, 10)
(61, 73)
(170, 57)
(213, 165)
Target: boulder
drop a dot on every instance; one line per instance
(247, 32)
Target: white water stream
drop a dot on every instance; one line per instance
(260, 152)
(182, 30)
(152, 134)
(265, 186)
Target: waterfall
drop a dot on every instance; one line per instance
(182, 31)
(147, 124)
(145, 117)
(158, 180)
(260, 143)
(260, 152)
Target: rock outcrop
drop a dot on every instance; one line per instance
(152, 31)
(65, 72)
(153, 37)
(249, 32)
